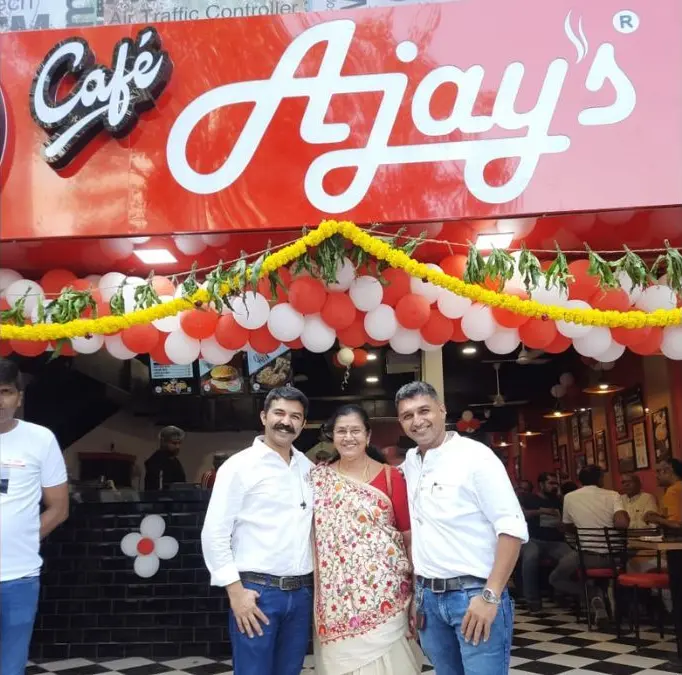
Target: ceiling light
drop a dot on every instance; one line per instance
(531, 433)
(499, 240)
(371, 379)
(468, 350)
(155, 256)
(371, 357)
(602, 388)
(558, 414)
(502, 444)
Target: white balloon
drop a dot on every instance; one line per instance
(213, 352)
(90, 345)
(166, 547)
(549, 296)
(25, 287)
(189, 244)
(345, 356)
(616, 217)
(134, 281)
(503, 341)
(169, 323)
(613, 353)
(317, 336)
(671, 345)
(109, 284)
(626, 284)
(594, 343)
(146, 566)
(381, 323)
(139, 240)
(574, 330)
(34, 313)
(114, 345)
(181, 348)
(129, 298)
(215, 240)
(428, 347)
(657, 297)
(467, 415)
(451, 305)
(116, 249)
(285, 323)
(366, 293)
(567, 379)
(557, 391)
(478, 323)
(152, 526)
(250, 310)
(345, 274)
(428, 290)
(93, 280)
(406, 341)
(7, 278)
(129, 543)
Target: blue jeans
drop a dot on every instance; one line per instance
(18, 607)
(283, 646)
(442, 639)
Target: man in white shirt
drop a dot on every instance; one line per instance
(636, 502)
(31, 470)
(257, 542)
(467, 531)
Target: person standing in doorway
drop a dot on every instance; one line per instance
(163, 468)
(32, 471)
(467, 532)
(257, 542)
(208, 477)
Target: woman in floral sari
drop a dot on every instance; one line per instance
(363, 579)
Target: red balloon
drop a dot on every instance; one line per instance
(199, 324)
(628, 337)
(376, 343)
(66, 348)
(413, 311)
(457, 333)
(584, 285)
(560, 344)
(158, 353)
(295, 344)
(163, 285)
(508, 319)
(53, 281)
(140, 339)
(229, 334)
(650, 345)
(360, 357)
(454, 265)
(85, 285)
(538, 334)
(262, 342)
(612, 299)
(338, 312)
(28, 347)
(5, 348)
(397, 287)
(438, 329)
(355, 335)
(4, 305)
(265, 289)
(307, 295)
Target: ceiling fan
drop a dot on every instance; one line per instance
(498, 400)
(524, 358)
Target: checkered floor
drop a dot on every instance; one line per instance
(548, 643)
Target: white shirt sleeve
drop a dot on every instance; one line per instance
(568, 516)
(497, 498)
(52, 467)
(216, 536)
(618, 503)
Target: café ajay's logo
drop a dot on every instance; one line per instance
(102, 97)
(475, 152)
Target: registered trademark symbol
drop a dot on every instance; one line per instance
(626, 21)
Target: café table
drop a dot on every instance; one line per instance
(672, 549)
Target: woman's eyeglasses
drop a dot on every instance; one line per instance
(355, 433)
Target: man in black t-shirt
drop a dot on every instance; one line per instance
(543, 515)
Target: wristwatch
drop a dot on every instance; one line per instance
(490, 597)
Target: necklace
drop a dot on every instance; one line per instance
(365, 471)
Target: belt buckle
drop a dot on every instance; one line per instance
(438, 585)
(289, 584)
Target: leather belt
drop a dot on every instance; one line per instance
(453, 584)
(283, 583)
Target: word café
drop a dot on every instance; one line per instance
(483, 196)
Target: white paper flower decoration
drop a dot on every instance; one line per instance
(148, 546)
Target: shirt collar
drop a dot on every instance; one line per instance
(263, 448)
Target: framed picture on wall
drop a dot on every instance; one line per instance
(575, 433)
(580, 464)
(588, 446)
(585, 421)
(634, 404)
(639, 441)
(626, 456)
(517, 467)
(563, 454)
(619, 418)
(601, 450)
(661, 428)
(555, 446)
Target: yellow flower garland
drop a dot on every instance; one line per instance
(377, 248)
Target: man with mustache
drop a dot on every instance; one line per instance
(256, 542)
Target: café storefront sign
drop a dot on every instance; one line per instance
(302, 116)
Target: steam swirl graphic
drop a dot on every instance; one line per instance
(581, 44)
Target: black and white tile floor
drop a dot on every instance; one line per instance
(549, 643)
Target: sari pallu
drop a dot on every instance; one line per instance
(363, 581)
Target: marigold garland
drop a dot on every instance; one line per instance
(375, 247)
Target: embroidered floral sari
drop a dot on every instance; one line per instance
(363, 580)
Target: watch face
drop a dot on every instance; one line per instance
(489, 596)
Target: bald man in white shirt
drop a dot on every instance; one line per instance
(467, 532)
(257, 544)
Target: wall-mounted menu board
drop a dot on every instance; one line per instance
(221, 380)
(268, 371)
(173, 379)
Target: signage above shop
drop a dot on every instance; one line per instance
(391, 114)
(102, 97)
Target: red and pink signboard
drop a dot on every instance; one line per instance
(475, 108)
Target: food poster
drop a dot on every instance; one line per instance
(173, 379)
(221, 379)
(267, 371)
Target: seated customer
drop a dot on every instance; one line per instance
(543, 514)
(669, 476)
(590, 507)
(636, 502)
